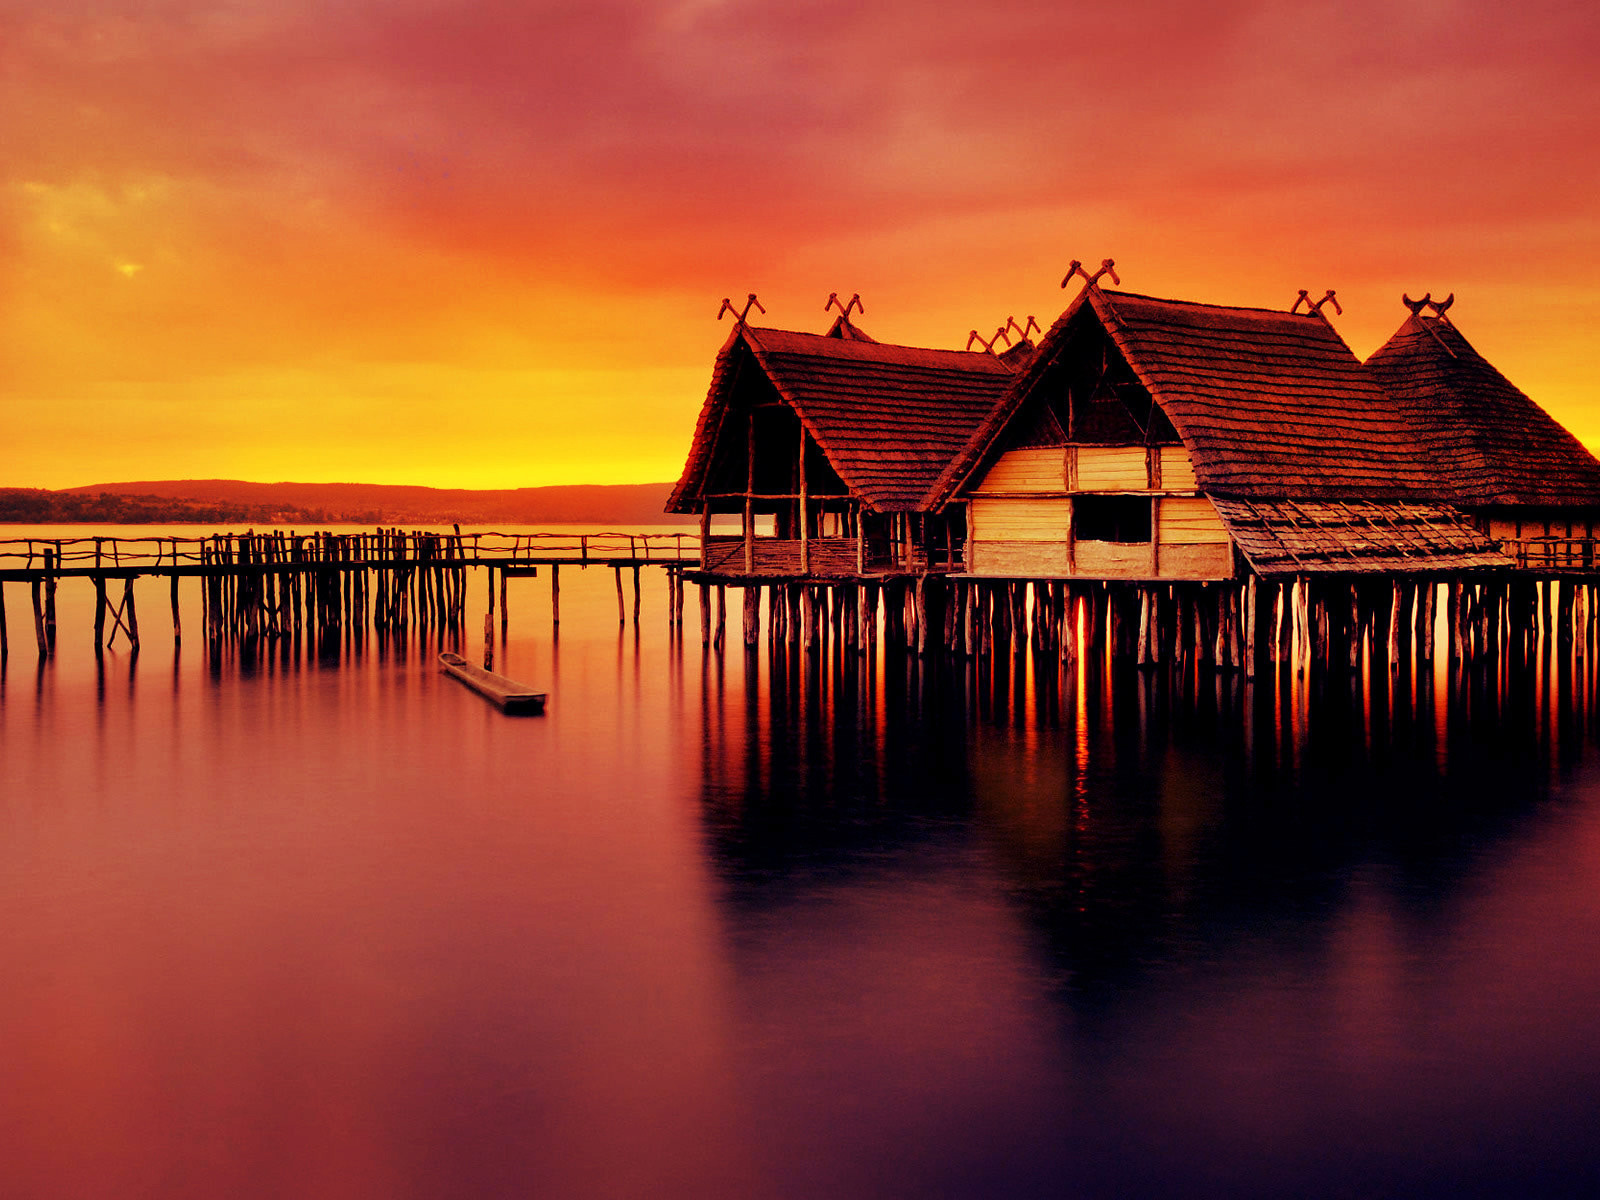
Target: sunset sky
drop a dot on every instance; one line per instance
(482, 244)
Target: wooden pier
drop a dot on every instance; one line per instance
(268, 586)
(286, 584)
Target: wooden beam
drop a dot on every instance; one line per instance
(805, 510)
(749, 504)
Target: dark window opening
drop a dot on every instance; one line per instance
(1111, 518)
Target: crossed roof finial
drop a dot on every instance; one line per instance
(750, 302)
(844, 309)
(1314, 307)
(1022, 331)
(1438, 306)
(988, 344)
(1107, 267)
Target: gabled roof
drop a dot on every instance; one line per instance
(1492, 443)
(1282, 537)
(887, 417)
(1270, 404)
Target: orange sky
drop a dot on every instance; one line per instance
(481, 244)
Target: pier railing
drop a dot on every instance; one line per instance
(1556, 555)
(154, 553)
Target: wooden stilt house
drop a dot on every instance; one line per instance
(1526, 481)
(824, 448)
(1161, 440)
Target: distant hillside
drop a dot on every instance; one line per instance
(189, 500)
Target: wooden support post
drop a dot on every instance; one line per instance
(1407, 598)
(99, 613)
(1564, 611)
(488, 641)
(808, 622)
(636, 596)
(1352, 626)
(752, 615)
(52, 563)
(1252, 626)
(1142, 654)
(720, 636)
(969, 619)
(622, 618)
(1452, 619)
(130, 613)
(1069, 625)
(5, 638)
(34, 585)
(505, 616)
(555, 594)
(749, 502)
(1586, 647)
(804, 507)
(177, 618)
(920, 613)
(1316, 627)
(1427, 606)
(1220, 641)
(705, 614)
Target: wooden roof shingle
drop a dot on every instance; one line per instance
(1493, 445)
(887, 417)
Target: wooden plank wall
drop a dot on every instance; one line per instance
(1021, 516)
(1112, 469)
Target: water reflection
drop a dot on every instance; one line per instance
(1272, 916)
(787, 925)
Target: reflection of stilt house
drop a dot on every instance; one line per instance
(824, 447)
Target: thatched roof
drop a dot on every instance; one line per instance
(887, 417)
(1493, 445)
(1288, 538)
(1270, 404)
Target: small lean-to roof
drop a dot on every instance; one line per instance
(887, 417)
(1286, 537)
(1269, 404)
(1492, 443)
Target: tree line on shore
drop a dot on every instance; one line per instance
(36, 506)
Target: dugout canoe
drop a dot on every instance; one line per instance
(506, 694)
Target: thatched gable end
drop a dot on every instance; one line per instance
(1269, 404)
(886, 417)
(1493, 445)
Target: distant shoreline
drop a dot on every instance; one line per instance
(201, 501)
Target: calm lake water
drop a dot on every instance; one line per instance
(291, 925)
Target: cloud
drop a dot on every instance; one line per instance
(442, 181)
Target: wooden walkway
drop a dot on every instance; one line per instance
(280, 584)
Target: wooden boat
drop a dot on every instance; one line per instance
(507, 694)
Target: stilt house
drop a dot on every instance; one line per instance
(1160, 440)
(825, 448)
(1525, 480)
